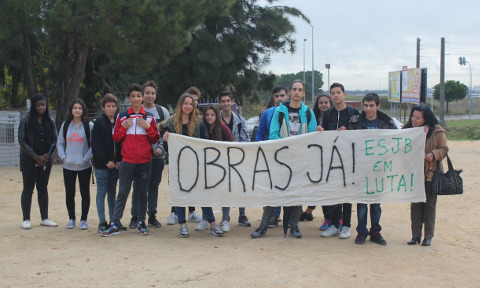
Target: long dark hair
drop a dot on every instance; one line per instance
(428, 116)
(84, 109)
(316, 110)
(32, 114)
(216, 130)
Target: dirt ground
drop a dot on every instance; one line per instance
(57, 257)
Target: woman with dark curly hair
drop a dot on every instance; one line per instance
(37, 136)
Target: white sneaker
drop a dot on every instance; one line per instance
(225, 225)
(48, 223)
(83, 225)
(202, 225)
(26, 225)
(331, 231)
(172, 219)
(194, 217)
(71, 224)
(345, 233)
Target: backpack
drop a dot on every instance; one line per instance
(86, 127)
(160, 112)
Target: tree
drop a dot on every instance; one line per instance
(454, 91)
(287, 79)
(230, 47)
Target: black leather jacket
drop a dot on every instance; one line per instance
(27, 141)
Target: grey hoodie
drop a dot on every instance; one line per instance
(77, 153)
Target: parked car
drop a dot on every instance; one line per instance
(250, 124)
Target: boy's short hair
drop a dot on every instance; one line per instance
(150, 83)
(194, 91)
(225, 93)
(279, 88)
(335, 85)
(371, 97)
(135, 87)
(297, 81)
(109, 97)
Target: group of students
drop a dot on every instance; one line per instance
(130, 148)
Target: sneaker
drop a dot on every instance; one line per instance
(306, 216)
(71, 224)
(172, 219)
(102, 227)
(216, 231)
(142, 228)
(273, 222)
(260, 232)
(121, 227)
(295, 232)
(360, 239)
(133, 222)
(194, 217)
(331, 231)
(202, 225)
(243, 221)
(112, 230)
(49, 223)
(377, 238)
(326, 223)
(225, 225)
(26, 225)
(83, 225)
(183, 232)
(344, 233)
(152, 221)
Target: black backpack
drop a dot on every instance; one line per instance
(86, 127)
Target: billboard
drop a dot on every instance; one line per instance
(394, 91)
(411, 85)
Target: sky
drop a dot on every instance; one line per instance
(364, 40)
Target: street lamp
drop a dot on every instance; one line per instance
(462, 61)
(304, 40)
(327, 66)
(313, 70)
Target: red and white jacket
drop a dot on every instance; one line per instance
(136, 141)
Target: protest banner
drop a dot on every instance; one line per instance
(320, 168)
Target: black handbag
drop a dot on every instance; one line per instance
(448, 183)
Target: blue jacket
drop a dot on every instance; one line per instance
(263, 131)
(278, 131)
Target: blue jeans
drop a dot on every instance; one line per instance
(276, 212)
(375, 213)
(106, 186)
(152, 196)
(226, 212)
(127, 173)
(207, 214)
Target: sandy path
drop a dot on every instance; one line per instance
(57, 257)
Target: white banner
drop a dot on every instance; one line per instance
(320, 168)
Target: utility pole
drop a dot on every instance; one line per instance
(328, 71)
(304, 40)
(313, 70)
(418, 52)
(442, 80)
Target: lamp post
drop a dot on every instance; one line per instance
(327, 66)
(304, 40)
(462, 61)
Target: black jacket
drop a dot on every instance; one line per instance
(27, 141)
(104, 149)
(385, 122)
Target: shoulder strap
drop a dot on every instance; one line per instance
(309, 116)
(65, 130)
(160, 112)
(86, 127)
(281, 115)
(350, 111)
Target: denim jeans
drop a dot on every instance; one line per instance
(106, 186)
(277, 211)
(226, 212)
(152, 195)
(127, 173)
(375, 213)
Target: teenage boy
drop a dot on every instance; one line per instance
(291, 118)
(137, 131)
(236, 124)
(370, 118)
(158, 161)
(336, 118)
(279, 95)
(107, 157)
